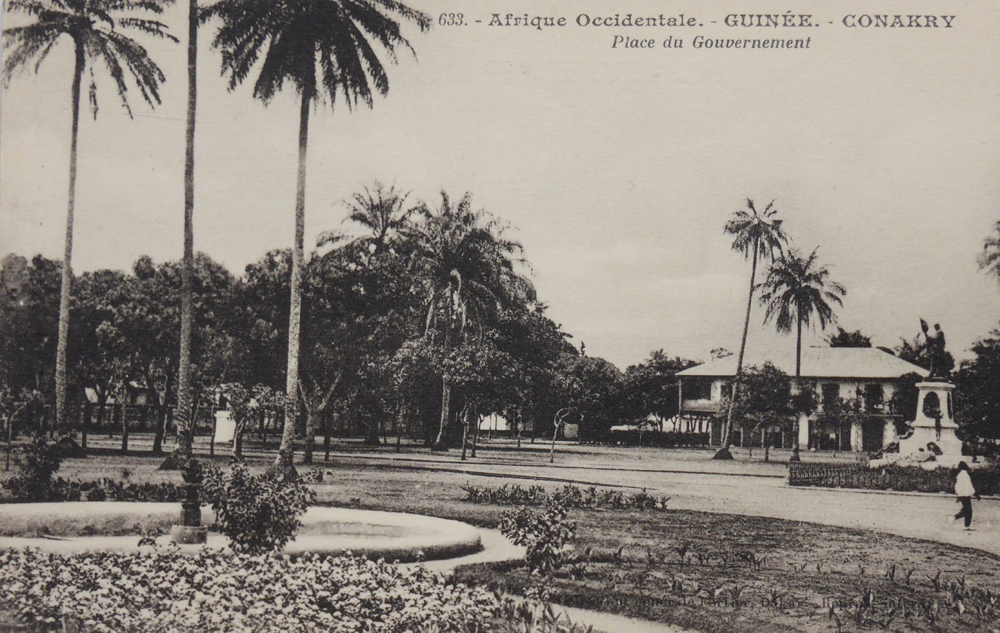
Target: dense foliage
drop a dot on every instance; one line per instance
(163, 591)
(409, 304)
(569, 495)
(37, 462)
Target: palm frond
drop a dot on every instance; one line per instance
(989, 259)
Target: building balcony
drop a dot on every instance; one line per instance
(699, 406)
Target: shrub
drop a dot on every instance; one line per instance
(105, 489)
(543, 534)
(569, 495)
(36, 462)
(257, 513)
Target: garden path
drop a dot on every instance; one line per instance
(913, 515)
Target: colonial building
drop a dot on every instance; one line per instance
(866, 375)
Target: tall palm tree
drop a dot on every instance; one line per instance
(96, 28)
(796, 289)
(989, 260)
(185, 423)
(323, 48)
(758, 235)
(466, 268)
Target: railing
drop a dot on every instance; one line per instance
(835, 476)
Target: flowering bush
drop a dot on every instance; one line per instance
(544, 535)
(160, 591)
(257, 513)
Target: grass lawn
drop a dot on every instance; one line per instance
(708, 572)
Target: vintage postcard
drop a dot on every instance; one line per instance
(668, 315)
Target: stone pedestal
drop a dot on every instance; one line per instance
(803, 432)
(934, 426)
(190, 531)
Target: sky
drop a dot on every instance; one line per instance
(618, 167)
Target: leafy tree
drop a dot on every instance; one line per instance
(96, 29)
(843, 338)
(765, 401)
(651, 388)
(592, 387)
(99, 352)
(466, 271)
(977, 396)
(144, 316)
(903, 402)
(29, 322)
(758, 236)
(322, 48)
(13, 405)
(263, 292)
(797, 288)
(989, 259)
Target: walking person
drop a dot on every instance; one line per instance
(964, 490)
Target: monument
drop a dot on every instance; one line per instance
(932, 439)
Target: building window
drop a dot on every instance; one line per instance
(831, 394)
(874, 397)
(697, 390)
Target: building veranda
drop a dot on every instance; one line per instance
(863, 377)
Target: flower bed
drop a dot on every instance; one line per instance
(160, 591)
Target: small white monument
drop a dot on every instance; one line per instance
(934, 427)
(225, 427)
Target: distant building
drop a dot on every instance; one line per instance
(835, 372)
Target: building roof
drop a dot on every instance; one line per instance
(818, 362)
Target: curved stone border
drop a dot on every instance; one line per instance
(405, 537)
(424, 537)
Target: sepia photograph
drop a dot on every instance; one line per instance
(392, 316)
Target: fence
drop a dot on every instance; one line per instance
(985, 477)
(834, 475)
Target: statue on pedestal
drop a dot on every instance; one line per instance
(936, 353)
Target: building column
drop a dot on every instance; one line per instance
(804, 432)
(889, 433)
(857, 444)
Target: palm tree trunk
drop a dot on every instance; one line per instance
(67, 269)
(727, 440)
(439, 443)
(185, 424)
(283, 462)
(795, 457)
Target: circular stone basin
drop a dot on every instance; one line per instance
(109, 525)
